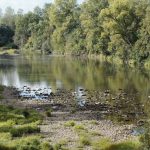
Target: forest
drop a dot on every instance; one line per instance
(112, 28)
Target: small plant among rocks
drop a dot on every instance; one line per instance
(48, 113)
(70, 123)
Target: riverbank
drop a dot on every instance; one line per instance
(9, 52)
(67, 125)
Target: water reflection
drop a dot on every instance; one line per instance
(69, 73)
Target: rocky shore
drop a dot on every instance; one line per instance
(104, 115)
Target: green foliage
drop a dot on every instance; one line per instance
(117, 28)
(24, 129)
(6, 35)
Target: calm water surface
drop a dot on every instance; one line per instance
(71, 73)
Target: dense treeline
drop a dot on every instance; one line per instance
(117, 28)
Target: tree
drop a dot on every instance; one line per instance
(6, 35)
(122, 23)
(9, 18)
(142, 46)
(92, 25)
(25, 26)
(63, 21)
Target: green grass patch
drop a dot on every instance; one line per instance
(70, 123)
(106, 144)
(6, 126)
(20, 116)
(20, 124)
(79, 128)
(25, 143)
(128, 145)
(85, 140)
(102, 144)
(24, 129)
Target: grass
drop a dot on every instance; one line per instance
(106, 144)
(24, 143)
(128, 145)
(85, 140)
(18, 115)
(46, 146)
(6, 126)
(70, 123)
(24, 129)
(101, 144)
(79, 128)
(21, 124)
